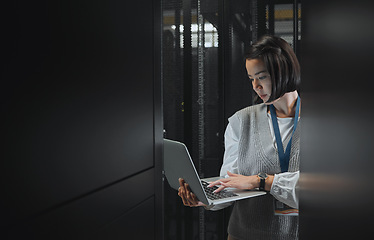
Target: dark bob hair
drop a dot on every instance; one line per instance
(281, 63)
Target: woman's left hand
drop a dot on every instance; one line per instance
(236, 181)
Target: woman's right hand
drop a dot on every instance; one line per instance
(189, 198)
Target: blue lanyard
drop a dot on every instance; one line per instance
(284, 156)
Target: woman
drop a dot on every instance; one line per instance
(252, 140)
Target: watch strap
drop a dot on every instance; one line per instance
(262, 184)
(263, 177)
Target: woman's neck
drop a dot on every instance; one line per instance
(285, 106)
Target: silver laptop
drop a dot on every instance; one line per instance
(178, 164)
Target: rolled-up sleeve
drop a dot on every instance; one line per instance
(284, 188)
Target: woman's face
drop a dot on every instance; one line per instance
(259, 77)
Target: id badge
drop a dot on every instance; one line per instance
(282, 209)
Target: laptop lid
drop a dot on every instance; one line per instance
(178, 164)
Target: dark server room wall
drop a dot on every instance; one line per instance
(81, 120)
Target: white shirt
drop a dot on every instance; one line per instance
(285, 128)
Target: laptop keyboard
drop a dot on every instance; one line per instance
(214, 196)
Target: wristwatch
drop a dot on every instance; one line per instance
(262, 177)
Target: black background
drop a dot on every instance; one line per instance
(79, 114)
